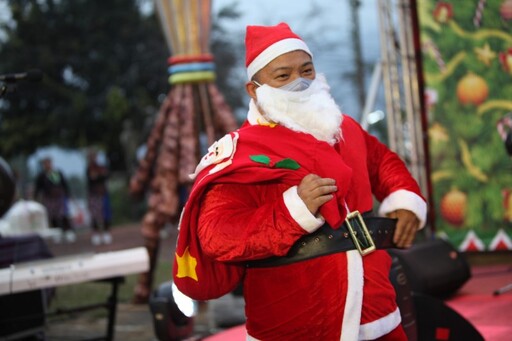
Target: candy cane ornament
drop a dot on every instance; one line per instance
(430, 45)
(477, 19)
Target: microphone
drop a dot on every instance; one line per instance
(31, 75)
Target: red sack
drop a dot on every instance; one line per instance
(195, 274)
(262, 154)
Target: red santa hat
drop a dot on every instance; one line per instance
(265, 43)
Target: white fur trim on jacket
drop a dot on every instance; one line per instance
(299, 211)
(406, 200)
(354, 303)
(380, 327)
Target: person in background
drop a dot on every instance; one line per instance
(51, 189)
(98, 200)
(299, 175)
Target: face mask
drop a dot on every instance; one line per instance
(298, 84)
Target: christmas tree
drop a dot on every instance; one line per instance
(467, 64)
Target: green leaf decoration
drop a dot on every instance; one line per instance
(260, 159)
(288, 164)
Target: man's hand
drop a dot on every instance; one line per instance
(316, 191)
(406, 227)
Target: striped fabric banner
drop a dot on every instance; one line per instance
(186, 26)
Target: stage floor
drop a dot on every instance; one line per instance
(475, 301)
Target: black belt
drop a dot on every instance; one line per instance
(356, 233)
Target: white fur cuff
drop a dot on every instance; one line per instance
(299, 211)
(406, 200)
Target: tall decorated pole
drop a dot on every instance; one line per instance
(193, 115)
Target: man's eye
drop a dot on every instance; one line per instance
(307, 71)
(283, 76)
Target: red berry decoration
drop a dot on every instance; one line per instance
(443, 12)
(506, 10)
(506, 60)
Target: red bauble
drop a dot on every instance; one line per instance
(453, 207)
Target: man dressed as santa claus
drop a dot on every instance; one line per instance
(281, 205)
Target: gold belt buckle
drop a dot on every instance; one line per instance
(365, 245)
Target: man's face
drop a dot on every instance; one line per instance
(283, 70)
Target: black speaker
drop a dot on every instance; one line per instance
(404, 299)
(22, 315)
(434, 267)
(436, 321)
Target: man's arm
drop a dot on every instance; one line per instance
(398, 192)
(244, 222)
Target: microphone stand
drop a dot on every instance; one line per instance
(502, 290)
(7, 87)
(3, 90)
(9, 81)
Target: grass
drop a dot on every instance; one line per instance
(83, 294)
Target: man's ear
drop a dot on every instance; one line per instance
(250, 87)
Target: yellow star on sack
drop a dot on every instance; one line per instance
(186, 265)
(485, 54)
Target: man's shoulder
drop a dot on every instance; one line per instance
(350, 124)
(349, 120)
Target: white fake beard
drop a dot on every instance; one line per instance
(312, 111)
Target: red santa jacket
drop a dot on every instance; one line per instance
(243, 216)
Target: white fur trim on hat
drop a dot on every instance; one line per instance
(274, 51)
(300, 212)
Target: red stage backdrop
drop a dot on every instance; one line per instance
(467, 64)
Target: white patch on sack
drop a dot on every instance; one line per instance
(219, 153)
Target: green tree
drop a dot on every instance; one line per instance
(103, 62)
(470, 92)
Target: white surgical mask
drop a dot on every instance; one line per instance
(299, 84)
